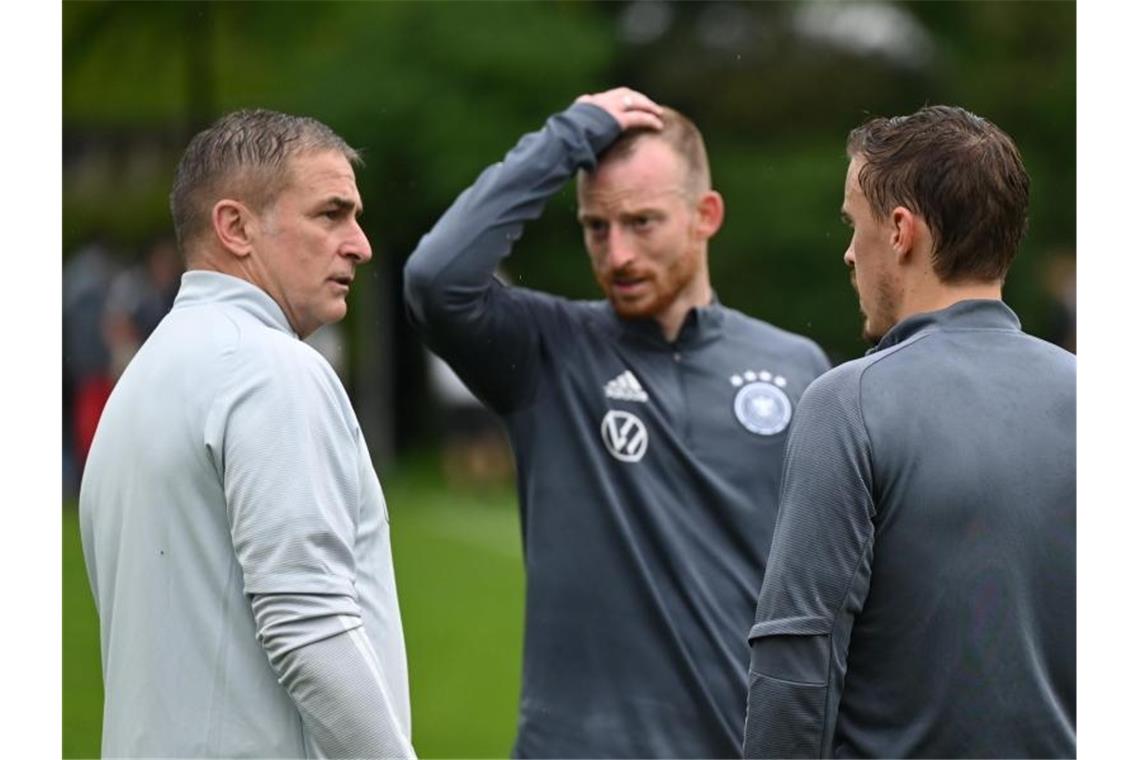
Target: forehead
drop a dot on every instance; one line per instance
(322, 174)
(650, 172)
(851, 188)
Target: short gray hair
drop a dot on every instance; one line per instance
(244, 155)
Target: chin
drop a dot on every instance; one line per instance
(647, 305)
(635, 309)
(874, 332)
(334, 314)
(871, 332)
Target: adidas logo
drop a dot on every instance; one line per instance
(625, 387)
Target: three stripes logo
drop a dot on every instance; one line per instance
(625, 435)
(625, 387)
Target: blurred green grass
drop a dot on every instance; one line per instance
(459, 574)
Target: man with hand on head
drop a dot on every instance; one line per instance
(920, 598)
(235, 532)
(648, 430)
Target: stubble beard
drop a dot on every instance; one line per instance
(885, 316)
(665, 288)
(644, 307)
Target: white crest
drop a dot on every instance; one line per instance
(625, 435)
(762, 408)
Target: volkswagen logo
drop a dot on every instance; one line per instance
(624, 435)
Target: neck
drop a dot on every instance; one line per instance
(208, 260)
(244, 268)
(696, 294)
(934, 296)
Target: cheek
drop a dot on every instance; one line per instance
(866, 250)
(863, 275)
(596, 255)
(664, 245)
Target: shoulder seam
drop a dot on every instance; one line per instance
(874, 360)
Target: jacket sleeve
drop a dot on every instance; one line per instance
(484, 329)
(317, 647)
(817, 577)
(288, 456)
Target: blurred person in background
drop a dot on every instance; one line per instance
(648, 430)
(87, 378)
(138, 298)
(920, 598)
(234, 530)
(1060, 280)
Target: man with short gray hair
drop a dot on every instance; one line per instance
(234, 529)
(920, 599)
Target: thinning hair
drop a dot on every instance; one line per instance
(680, 134)
(245, 155)
(960, 173)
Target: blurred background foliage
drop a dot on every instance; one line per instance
(434, 91)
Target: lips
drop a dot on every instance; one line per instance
(627, 284)
(343, 279)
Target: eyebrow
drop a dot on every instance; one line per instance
(651, 212)
(343, 204)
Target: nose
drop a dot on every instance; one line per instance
(619, 249)
(849, 256)
(358, 247)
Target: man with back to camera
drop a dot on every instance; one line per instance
(648, 430)
(920, 598)
(235, 532)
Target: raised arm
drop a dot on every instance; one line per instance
(472, 320)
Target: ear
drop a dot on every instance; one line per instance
(234, 226)
(904, 232)
(710, 214)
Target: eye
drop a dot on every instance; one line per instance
(642, 222)
(595, 227)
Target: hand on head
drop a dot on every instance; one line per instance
(631, 108)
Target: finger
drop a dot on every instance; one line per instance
(641, 119)
(632, 100)
(629, 107)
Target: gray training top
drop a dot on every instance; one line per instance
(647, 471)
(920, 598)
(237, 544)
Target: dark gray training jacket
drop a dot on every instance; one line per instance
(647, 471)
(920, 599)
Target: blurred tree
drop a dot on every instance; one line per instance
(433, 92)
(776, 87)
